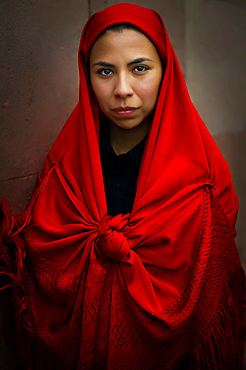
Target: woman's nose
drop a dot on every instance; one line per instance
(123, 87)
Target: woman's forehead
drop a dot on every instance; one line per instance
(112, 44)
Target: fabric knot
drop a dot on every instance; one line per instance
(112, 242)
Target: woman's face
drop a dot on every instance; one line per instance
(125, 73)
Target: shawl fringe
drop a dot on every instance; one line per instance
(223, 345)
(221, 348)
(14, 267)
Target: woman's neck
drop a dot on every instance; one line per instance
(123, 140)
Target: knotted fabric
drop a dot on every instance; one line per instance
(112, 241)
(159, 288)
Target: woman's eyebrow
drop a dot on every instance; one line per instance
(140, 60)
(103, 64)
(109, 65)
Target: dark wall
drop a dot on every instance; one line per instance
(39, 86)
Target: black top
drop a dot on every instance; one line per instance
(120, 173)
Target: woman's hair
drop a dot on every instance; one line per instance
(121, 27)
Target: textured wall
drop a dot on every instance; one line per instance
(215, 74)
(216, 59)
(39, 86)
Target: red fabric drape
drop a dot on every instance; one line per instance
(146, 290)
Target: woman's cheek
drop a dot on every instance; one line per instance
(147, 90)
(100, 93)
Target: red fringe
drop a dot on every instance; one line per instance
(223, 346)
(14, 266)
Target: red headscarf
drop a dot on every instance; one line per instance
(150, 289)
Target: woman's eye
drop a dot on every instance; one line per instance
(140, 69)
(105, 72)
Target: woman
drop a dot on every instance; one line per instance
(125, 256)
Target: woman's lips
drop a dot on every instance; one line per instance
(124, 111)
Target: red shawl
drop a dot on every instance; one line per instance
(159, 288)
